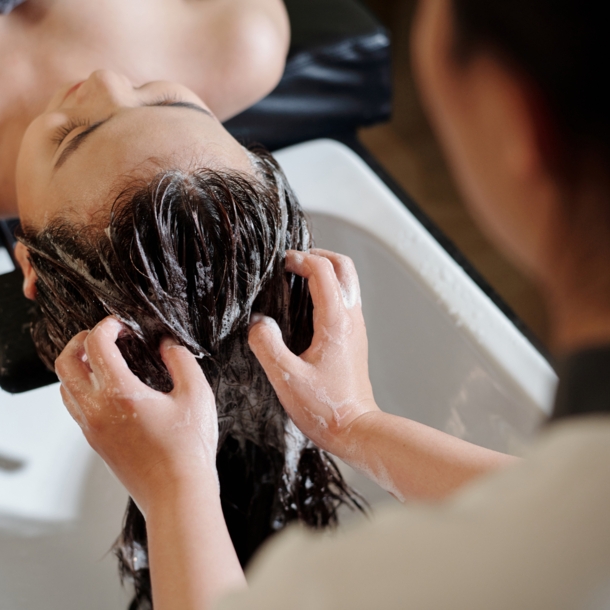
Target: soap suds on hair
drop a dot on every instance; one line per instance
(191, 256)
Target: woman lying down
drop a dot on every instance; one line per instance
(230, 52)
(136, 203)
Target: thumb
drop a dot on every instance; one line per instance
(265, 340)
(183, 367)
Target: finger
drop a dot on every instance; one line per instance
(105, 358)
(73, 407)
(279, 363)
(323, 285)
(186, 373)
(72, 366)
(346, 274)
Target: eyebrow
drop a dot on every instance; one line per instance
(81, 138)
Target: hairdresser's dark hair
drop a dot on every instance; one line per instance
(190, 255)
(563, 47)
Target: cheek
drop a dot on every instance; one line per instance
(491, 194)
(464, 125)
(36, 199)
(445, 92)
(30, 163)
(506, 212)
(25, 184)
(479, 130)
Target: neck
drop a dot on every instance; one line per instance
(576, 276)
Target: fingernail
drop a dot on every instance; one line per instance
(268, 322)
(168, 341)
(255, 318)
(119, 327)
(298, 256)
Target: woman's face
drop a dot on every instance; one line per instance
(96, 135)
(482, 114)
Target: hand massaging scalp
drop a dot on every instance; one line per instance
(191, 256)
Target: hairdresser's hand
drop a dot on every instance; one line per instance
(327, 388)
(152, 441)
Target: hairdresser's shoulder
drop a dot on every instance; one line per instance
(534, 536)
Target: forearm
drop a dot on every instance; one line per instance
(191, 556)
(327, 392)
(412, 460)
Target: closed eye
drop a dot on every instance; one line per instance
(174, 102)
(74, 144)
(65, 130)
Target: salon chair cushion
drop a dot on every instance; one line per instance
(20, 367)
(337, 78)
(6, 6)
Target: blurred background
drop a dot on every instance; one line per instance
(407, 149)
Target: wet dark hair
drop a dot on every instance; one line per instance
(190, 255)
(563, 47)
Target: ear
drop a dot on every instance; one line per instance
(29, 275)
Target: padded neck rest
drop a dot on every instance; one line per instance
(20, 367)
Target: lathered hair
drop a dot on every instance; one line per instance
(191, 255)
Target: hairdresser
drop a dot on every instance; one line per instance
(516, 90)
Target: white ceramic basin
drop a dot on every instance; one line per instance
(60, 511)
(440, 352)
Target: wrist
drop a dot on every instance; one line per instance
(354, 434)
(179, 482)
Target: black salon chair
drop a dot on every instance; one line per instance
(337, 79)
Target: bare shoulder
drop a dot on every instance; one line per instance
(269, 13)
(244, 43)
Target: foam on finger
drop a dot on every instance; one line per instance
(346, 275)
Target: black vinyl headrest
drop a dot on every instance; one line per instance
(337, 77)
(20, 367)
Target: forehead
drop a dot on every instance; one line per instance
(131, 145)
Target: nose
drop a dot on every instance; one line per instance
(106, 86)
